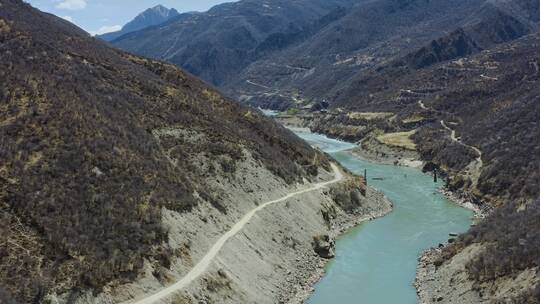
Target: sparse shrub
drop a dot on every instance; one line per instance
(512, 247)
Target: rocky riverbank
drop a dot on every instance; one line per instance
(448, 281)
(449, 284)
(480, 211)
(442, 280)
(272, 260)
(373, 150)
(300, 285)
(369, 148)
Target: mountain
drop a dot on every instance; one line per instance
(217, 45)
(310, 56)
(373, 34)
(152, 16)
(314, 57)
(93, 138)
(488, 27)
(486, 95)
(119, 173)
(433, 68)
(490, 100)
(493, 98)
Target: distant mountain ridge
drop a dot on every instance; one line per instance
(305, 58)
(217, 45)
(372, 35)
(152, 16)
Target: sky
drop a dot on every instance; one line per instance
(102, 16)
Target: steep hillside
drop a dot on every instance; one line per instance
(476, 118)
(373, 32)
(372, 35)
(297, 54)
(218, 44)
(152, 16)
(488, 99)
(496, 262)
(120, 170)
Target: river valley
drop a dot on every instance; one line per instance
(376, 261)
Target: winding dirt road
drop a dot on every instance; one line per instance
(422, 106)
(454, 138)
(206, 261)
(474, 169)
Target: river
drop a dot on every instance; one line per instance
(376, 261)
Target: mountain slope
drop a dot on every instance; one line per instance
(315, 53)
(216, 45)
(120, 170)
(374, 34)
(489, 97)
(491, 101)
(314, 45)
(487, 28)
(371, 33)
(152, 16)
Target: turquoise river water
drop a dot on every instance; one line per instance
(376, 261)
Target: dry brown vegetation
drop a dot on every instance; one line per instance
(369, 115)
(511, 249)
(399, 139)
(491, 100)
(86, 167)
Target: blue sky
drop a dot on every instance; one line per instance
(100, 16)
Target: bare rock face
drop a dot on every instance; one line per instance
(324, 246)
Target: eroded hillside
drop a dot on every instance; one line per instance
(106, 156)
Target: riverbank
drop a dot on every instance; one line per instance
(429, 283)
(434, 284)
(274, 247)
(409, 188)
(375, 151)
(448, 284)
(464, 202)
(443, 284)
(372, 150)
(448, 281)
(297, 292)
(426, 283)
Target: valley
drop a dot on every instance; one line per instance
(272, 151)
(122, 175)
(381, 255)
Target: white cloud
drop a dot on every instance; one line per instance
(72, 5)
(106, 29)
(68, 18)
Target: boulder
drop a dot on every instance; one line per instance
(324, 246)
